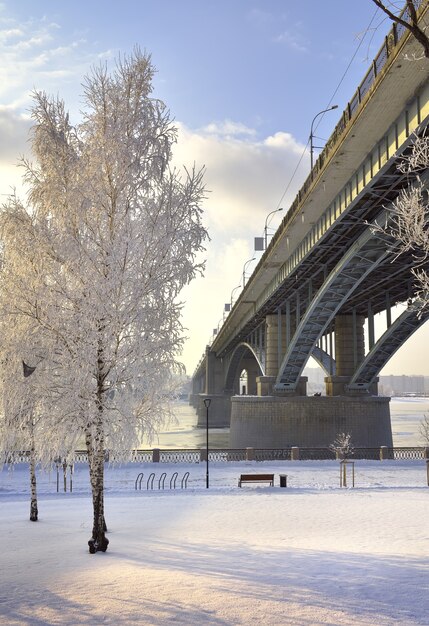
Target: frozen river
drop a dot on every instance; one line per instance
(406, 414)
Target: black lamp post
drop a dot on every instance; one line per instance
(334, 106)
(207, 403)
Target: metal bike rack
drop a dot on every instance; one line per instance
(161, 481)
(184, 482)
(173, 480)
(139, 481)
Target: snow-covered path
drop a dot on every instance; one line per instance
(307, 555)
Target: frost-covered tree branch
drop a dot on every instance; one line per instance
(408, 221)
(424, 430)
(412, 24)
(342, 445)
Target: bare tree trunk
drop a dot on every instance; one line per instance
(33, 502)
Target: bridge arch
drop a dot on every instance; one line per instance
(389, 343)
(324, 360)
(362, 258)
(243, 357)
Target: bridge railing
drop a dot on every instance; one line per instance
(394, 36)
(225, 455)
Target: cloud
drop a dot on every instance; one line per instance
(14, 129)
(260, 16)
(292, 40)
(39, 53)
(246, 177)
(228, 128)
(11, 33)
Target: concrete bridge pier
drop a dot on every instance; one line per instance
(220, 406)
(282, 421)
(198, 386)
(219, 410)
(277, 419)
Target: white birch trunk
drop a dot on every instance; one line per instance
(98, 540)
(33, 484)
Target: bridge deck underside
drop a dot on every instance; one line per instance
(361, 260)
(392, 278)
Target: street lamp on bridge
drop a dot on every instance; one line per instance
(266, 225)
(233, 292)
(334, 106)
(244, 270)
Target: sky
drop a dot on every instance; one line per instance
(243, 81)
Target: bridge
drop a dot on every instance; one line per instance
(324, 276)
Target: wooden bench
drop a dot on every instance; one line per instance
(256, 478)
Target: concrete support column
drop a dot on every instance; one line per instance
(349, 343)
(264, 385)
(275, 346)
(300, 390)
(214, 373)
(253, 371)
(349, 352)
(197, 384)
(219, 410)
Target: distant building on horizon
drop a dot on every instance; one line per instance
(390, 385)
(403, 385)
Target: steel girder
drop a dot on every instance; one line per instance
(326, 362)
(233, 363)
(368, 251)
(392, 339)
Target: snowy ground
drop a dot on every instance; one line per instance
(307, 555)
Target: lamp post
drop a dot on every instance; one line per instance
(334, 106)
(244, 270)
(207, 402)
(233, 291)
(266, 224)
(34, 513)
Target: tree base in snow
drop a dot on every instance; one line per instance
(96, 546)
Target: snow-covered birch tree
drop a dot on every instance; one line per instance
(22, 340)
(116, 233)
